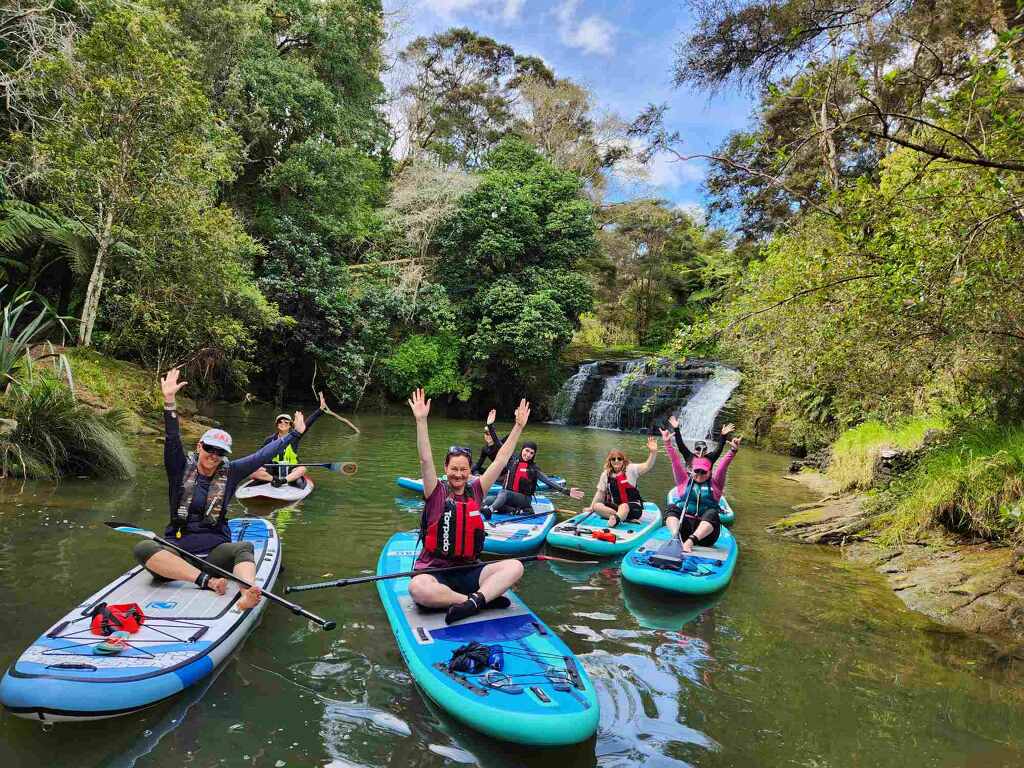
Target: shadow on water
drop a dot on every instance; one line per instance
(804, 660)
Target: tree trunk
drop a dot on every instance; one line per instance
(91, 306)
(282, 385)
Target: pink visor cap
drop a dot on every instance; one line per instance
(701, 462)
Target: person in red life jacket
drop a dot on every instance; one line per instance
(700, 447)
(617, 497)
(452, 529)
(286, 471)
(695, 519)
(521, 476)
(492, 444)
(200, 487)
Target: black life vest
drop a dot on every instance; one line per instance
(458, 532)
(521, 477)
(621, 491)
(184, 520)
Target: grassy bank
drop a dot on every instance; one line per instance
(856, 452)
(114, 383)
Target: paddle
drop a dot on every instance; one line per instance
(327, 624)
(520, 518)
(384, 577)
(344, 467)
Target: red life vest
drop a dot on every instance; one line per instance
(621, 491)
(522, 479)
(458, 532)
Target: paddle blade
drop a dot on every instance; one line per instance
(345, 467)
(129, 528)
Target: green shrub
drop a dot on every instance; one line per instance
(855, 452)
(430, 362)
(57, 436)
(973, 484)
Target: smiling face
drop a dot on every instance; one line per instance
(283, 425)
(528, 454)
(456, 466)
(209, 458)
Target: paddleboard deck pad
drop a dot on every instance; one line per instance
(725, 514)
(267, 492)
(576, 532)
(507, 536)
(705, 570)
(541, 697)
(187, 634)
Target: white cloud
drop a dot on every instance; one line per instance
(698, 213)
(663, 171)
(512, 10)
(448, 8)
(508, 10)
(592, 35)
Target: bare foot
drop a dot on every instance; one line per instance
(220, 586)
(613, 521)
(250, 598)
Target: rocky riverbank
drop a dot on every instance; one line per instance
(966, 584)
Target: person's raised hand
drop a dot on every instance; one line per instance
(728, 428)
(735, 443)
(523, 413)
(170, 385)
(673, 421)
(652, 444)
(419, 404)
(575, 493)
(665, 434)
(491, 416)
(299, 422)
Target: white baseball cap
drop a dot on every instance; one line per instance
(217, 438)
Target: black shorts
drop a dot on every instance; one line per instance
(636, 511)
(687, 525)
(466, 580)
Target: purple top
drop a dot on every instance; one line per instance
(432, 510)
(682, 476)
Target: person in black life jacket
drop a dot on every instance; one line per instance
(452, 529)
(200, 487)
(617, 497)
(700, 447)
(492, 444)
(289, 457)
(521, 476)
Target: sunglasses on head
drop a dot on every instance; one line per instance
(459, 450)
(215, 451)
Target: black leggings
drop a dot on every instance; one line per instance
(510, 502)
(688, 524)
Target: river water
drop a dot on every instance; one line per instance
(802, 661)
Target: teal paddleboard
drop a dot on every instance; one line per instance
(576, 533)
(725, 514)
(519, 534)
(541, 697)
(705, 570)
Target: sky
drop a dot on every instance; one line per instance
(623, 51)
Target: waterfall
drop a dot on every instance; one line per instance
(606, 413)
(697, 417)
(566, 398)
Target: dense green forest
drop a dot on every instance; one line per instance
(230, 185)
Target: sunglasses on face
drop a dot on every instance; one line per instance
(617, 458)
(700, 471)
(215, 451)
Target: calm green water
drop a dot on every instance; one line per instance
(803, 661)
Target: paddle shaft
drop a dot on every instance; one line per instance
(327, 624)
(324, 464)
(422, 571)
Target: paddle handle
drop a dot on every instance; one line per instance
(327, 624)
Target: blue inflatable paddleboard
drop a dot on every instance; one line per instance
(576, 532)
(519, 534)
(187, 634)
(705, 570)
(542, 696)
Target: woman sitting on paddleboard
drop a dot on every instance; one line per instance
(520, 478)
(700, 447)
(695, 518)
(200, 487)
(289, 457)
(452, 530)
(617, 497)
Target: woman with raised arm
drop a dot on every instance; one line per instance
(452, 530)
(492, 444)
(700, 446)
(617, 497)
(200, 486)
(285, 469)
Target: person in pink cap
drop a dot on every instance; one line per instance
(695, 517)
